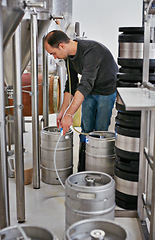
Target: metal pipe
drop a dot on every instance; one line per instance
(146, 51)
(142, 164)
(30, 4)
(152, 223)
(148, 157)
(35, 109)
(18, 113)
(57, 17)
(4, 195)
(45, 86)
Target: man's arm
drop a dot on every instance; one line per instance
(67, 120)
(67, 100)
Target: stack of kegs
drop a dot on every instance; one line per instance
(127, 127)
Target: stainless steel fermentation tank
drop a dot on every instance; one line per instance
(20, 47)
(10, 18)
(44, 14)
(61, 7)
(18, 50)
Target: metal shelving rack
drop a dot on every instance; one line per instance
(143, 99)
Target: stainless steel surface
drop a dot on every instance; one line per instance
(147, 54)
(126, 187)
(45, 86)
(85, 201)
(142, 164)
(4, 196)
(146, 103)
(26, 232)
(148, 157)
(130, 144)
(143, 99)
(63, 8)
(11, 19)
(61, 68)
(55, 94)
(92, 229)
(64, 155)
(100, 155)
(131, 50)
(26, 38)
(35, 109)
(135, 50)
(43, 23)
(43, 8)
(126, 213)
(18, 114)
(148, 188)
(152, 226)
(149, 86)
(25, 46)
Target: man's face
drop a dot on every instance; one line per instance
(60, 53)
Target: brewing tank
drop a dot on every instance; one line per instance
(44, 13)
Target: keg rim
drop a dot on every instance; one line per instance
(102, 133)
(45, 130)
(106, 185)
(87, 221)
(4, 230)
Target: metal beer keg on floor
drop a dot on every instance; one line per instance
(100, 155)
(95, 229)
(89, 195)
(64, 155)
(26, 232)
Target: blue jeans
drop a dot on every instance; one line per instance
(96, 113)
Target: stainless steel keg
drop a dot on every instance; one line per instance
(95, 229)
(26, 232)
(131, 43)
(64, 155)
(89, 194)
(100, 155)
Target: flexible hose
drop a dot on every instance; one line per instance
(55, 166)
(24, 236)
(69, 77)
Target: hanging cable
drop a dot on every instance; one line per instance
(69, 78)
(55, 166)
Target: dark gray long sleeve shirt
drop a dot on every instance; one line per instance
(96, 65)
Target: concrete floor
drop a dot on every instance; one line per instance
(45, 207)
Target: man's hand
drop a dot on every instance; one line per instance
(66, 122)
(59, 118)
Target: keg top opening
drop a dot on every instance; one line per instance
(90, 179)
(97, 234)
(102, 135)
(31, 232)
(95, 229)
(54, 129)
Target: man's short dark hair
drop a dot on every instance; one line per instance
(55, 37)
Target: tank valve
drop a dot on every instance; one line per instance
(97, 234)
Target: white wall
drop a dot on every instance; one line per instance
(101, 19)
